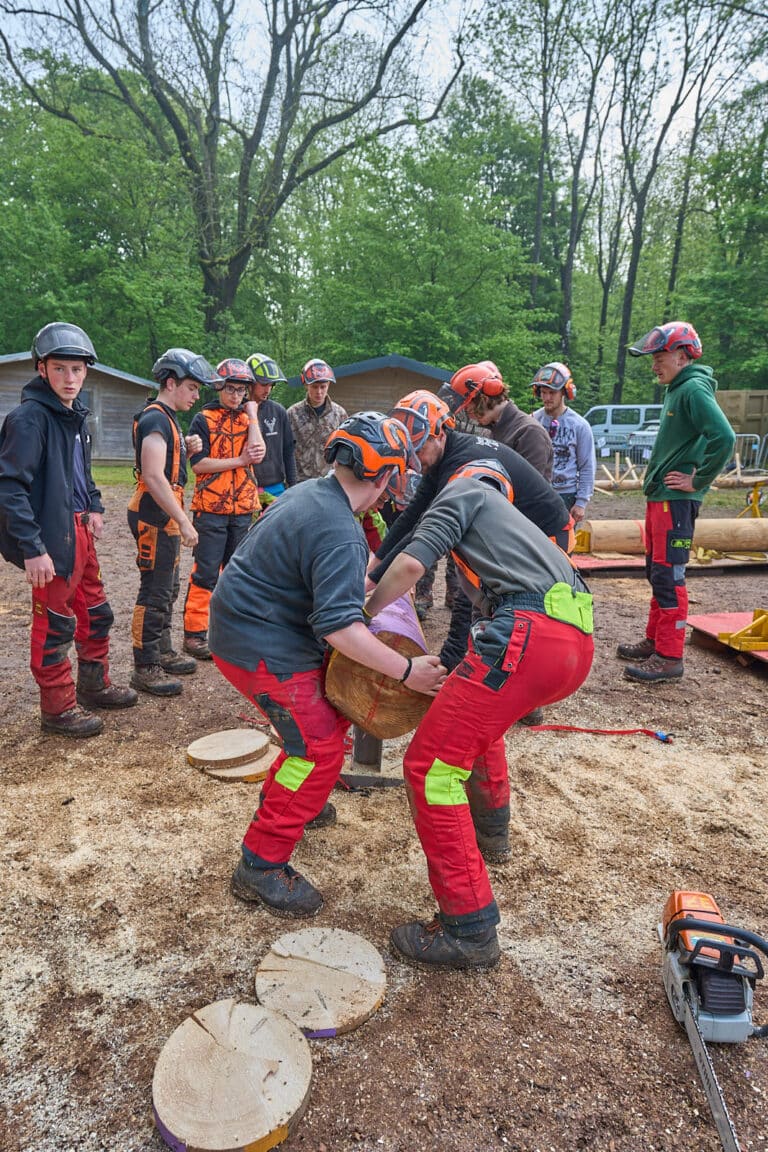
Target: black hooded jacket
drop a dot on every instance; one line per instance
(37, 444)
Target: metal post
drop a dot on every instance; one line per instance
(366, 750)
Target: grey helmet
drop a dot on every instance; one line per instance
(180, 362)
(65, 340)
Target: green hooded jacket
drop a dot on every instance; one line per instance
(693, 433)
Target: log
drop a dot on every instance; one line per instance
(232, 1076)
(627, 537)
(379, 705)
(327, 981)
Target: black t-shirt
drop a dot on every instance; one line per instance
(160, 419)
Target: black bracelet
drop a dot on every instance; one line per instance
(408, 670)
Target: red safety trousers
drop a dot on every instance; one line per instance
(464, 728)
(66, 610)
(302, 776)
(669, 528)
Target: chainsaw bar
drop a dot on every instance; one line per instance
(709, 1081)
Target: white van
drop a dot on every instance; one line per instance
(612, 424)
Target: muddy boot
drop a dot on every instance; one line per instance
(325, 818)
(655, 669)
(639, 651)
(92, 692)
(196, 644)
(434, 946)
(531, 719)
(176, 664)
(74, 722)
(155, 680)
(282, 889)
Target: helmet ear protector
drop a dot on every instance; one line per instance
(554, 375)
(470, 382)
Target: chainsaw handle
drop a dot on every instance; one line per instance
(690, 924)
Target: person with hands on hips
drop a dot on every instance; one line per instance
(294, 587)
(51, 516)
(157, 518)
(693, 444)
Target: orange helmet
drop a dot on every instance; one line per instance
(372, 444)
(424, 415)
(554, 375)
(469, 382)
(402, 488)
(488, 472)
(317, 372)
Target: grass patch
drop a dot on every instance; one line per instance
(106, 475)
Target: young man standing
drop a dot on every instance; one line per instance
(480, 390)
(157, 518)
(277, 471)
(573, 474)
(226, 495)
(693, 444)
(532, 645)
(51, 515)
(296, 585)
(313, 419)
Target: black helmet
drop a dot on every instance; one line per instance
(65, 340)
(265, 369)
(371, 444)
(180, 362)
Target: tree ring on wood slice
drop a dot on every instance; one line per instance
(228, 749)
(381, 706)
(233, 1076)
(326, 980)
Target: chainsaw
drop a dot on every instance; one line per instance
(710, 970)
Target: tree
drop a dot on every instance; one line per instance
(335, 75)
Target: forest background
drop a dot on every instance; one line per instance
(528, 181)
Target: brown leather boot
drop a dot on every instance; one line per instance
(176, 664)
(92, 692)
(196, 645)
(155, 680)
(74, 722)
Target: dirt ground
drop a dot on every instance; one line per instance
(116, 919)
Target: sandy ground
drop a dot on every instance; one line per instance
(116, 919)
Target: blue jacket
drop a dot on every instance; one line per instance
(37, 445)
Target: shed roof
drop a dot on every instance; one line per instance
(20, 357)
(360, 367)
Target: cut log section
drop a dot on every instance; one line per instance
(232, 1076)
(239, 754)
(381, 706)
(326, 980)
(628, 536)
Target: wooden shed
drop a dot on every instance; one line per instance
(377, 385)
(113, 398)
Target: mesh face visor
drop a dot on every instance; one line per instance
(402, 488)
(416, 425)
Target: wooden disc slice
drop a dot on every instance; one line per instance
(228, 749)
(232, 1076)
(326, 980)
(242, 773)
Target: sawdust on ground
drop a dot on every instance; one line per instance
(116, 919)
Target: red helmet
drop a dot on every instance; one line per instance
(554, 375)
(424, 415)
(488, 472)
(317, 372)
(371, 444)
(668, 337)
(469, 382)
(234, 370)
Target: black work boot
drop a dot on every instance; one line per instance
(92, 692)
(196, 644)
(152, 678)
(281, 889)
(74, 722)
(176, 664)
(655, 669)
(325, 818)
(640, 651)
(434, 946)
